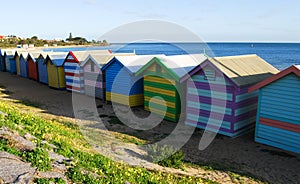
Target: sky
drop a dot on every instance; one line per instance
(210, 20)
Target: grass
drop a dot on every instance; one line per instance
(72, 144)
(29, 103)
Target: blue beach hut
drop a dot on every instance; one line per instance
(24, 65)
(42, 68)
(122, 86)
(278, 114)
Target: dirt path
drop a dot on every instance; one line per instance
(241, 154)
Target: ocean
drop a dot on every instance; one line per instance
(280, 55)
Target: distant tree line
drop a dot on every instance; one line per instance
(13, 41)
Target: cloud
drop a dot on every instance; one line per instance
(90, 2)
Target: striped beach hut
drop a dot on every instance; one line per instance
(73, 71)
(42, 68)
(122, 86)
(217, 93)
(24, 64)
(162, 78)
(94, 84)
(55, 70)
(278, 114)
(33, 66)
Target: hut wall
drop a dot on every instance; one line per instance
(18, 67)
(158, 82)
(32, 69)
(56, 78)
(74, 75)
(23, 67)
(42, 70)
(2, 64)
(7, 63)
(127, 90)
(278, 114)
(215, 104)
(93, 80)
(13, 69)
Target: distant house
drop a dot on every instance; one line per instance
(217, 96)
(278, 114)
(24, 64)
(122, 86)
(33, 72)
(162, 78)
(55, 69)
(73, 72)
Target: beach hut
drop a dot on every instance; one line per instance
(42, 68)
(10, 64)
(33, 66)
(24, 64)
(217, 93)
(55, 69)
(278, 114)
(122, 86)
(17, 59)
(2, 61)
(73, 72)
(162, 78)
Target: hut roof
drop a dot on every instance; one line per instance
(295, 69)
(82, 55)
(244, 69)
(102, 59)
(57, 58)
(132, 63)
(177, 65)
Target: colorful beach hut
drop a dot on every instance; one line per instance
(10, 63)
(73, 71)
(94, 84)
(122, 86)
(33, 66)
(278, 114)
(55, 70)
(217, 93)
(42, 68)
(162, 78)
(24, 64)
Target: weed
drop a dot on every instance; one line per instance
(165, 155)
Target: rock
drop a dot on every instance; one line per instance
(29, 137)
(18, 141)
(13, 170)
(51, 174)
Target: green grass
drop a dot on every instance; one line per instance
(72, 144)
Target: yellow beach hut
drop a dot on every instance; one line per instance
(55, 70)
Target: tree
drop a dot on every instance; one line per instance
(34, 38)
(70, 37)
